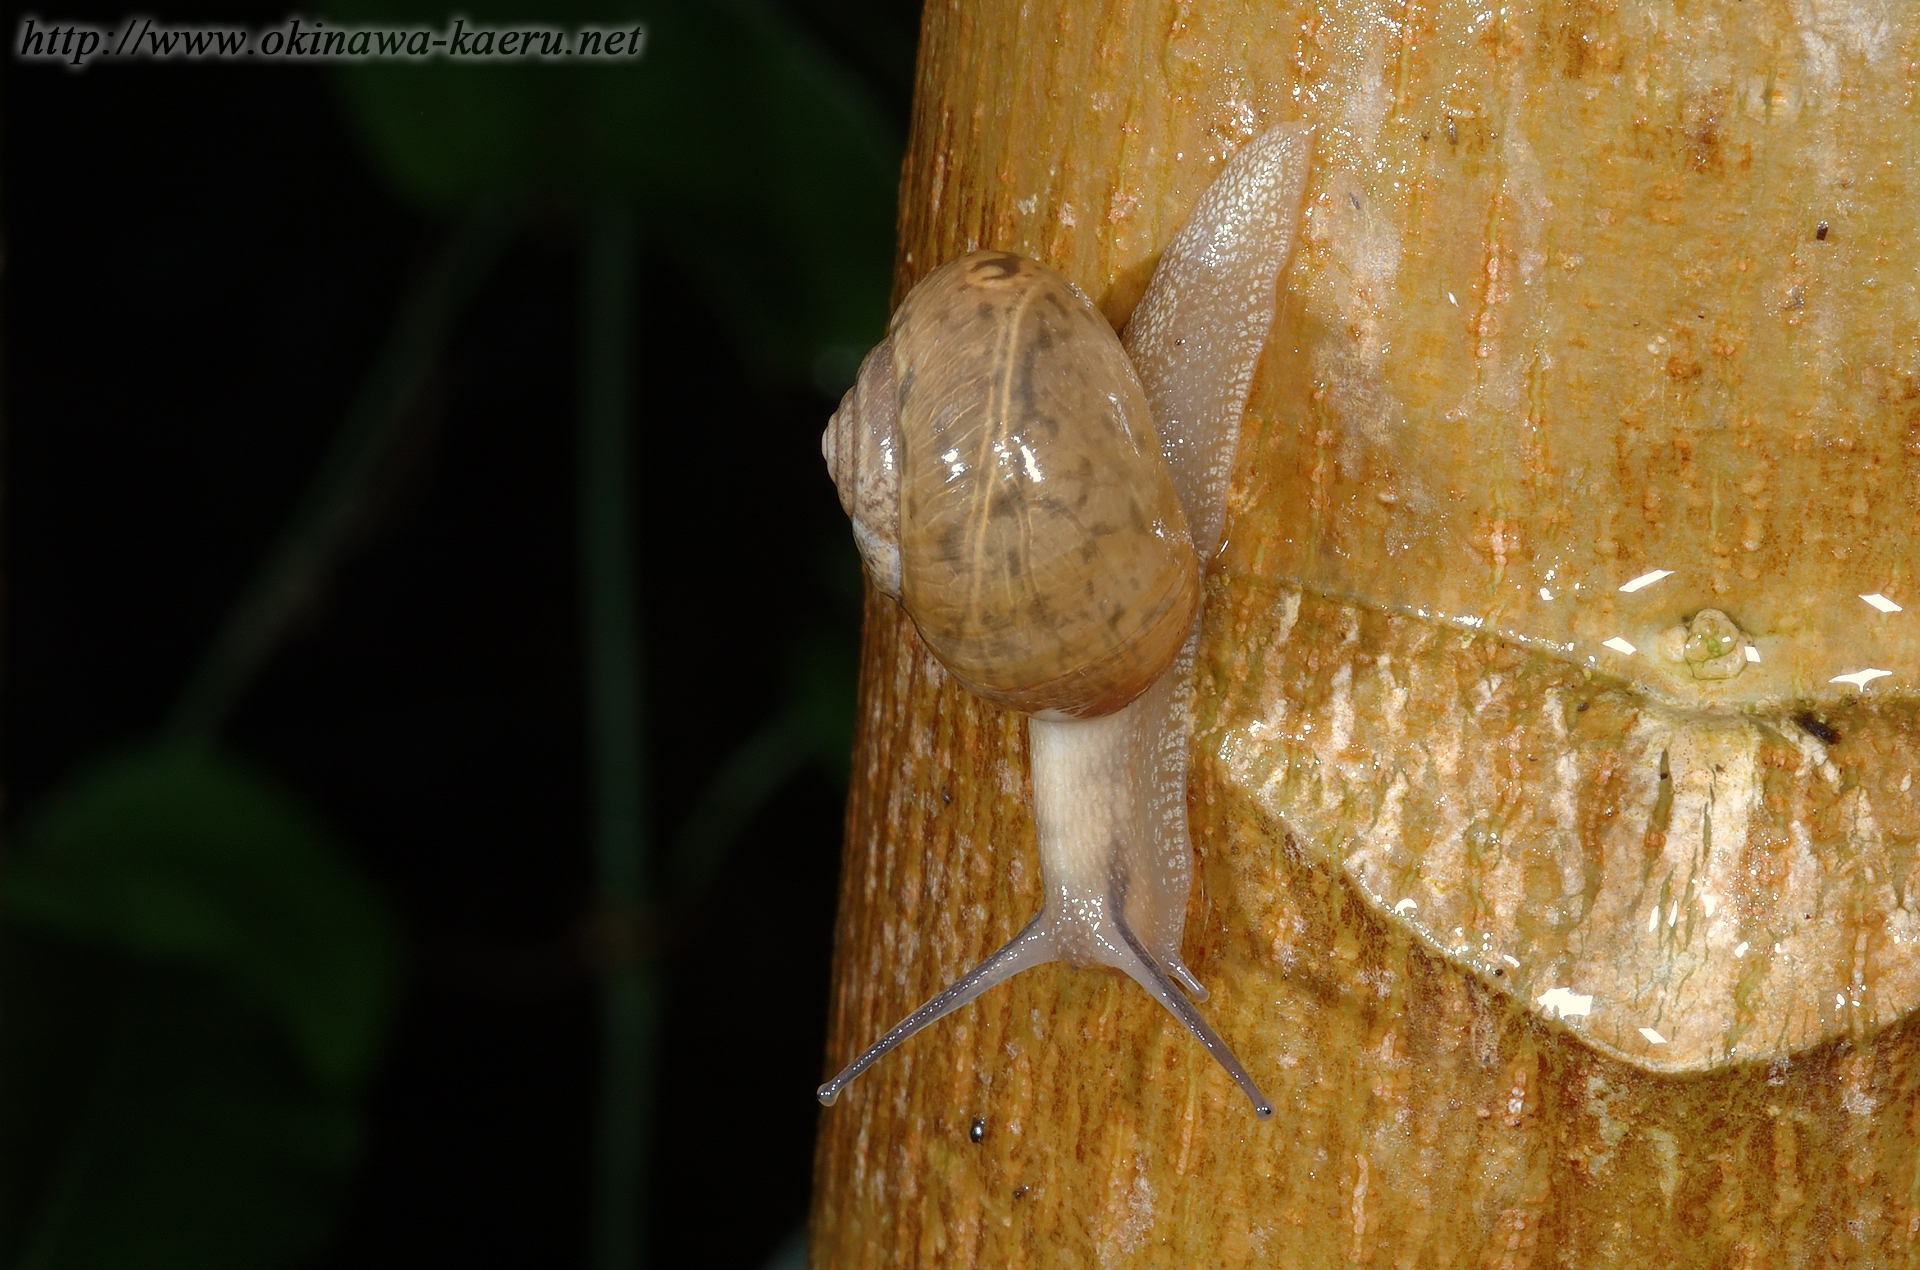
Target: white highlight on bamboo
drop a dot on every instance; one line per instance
(1565, 1002)
(1645, 580)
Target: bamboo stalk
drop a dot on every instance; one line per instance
(1585, 294)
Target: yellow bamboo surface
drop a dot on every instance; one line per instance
(1584, 292)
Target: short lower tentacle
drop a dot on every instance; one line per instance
(1186, 978)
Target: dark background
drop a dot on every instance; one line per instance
(200, 264)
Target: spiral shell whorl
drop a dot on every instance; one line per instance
(862, 448)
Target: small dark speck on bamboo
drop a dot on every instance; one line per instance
(1815, 726)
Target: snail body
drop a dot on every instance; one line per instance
(1040, 497)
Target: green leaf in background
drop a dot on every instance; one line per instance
(179, 853)
(197, 984)
(761, 169)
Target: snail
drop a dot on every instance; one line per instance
(1040, 497)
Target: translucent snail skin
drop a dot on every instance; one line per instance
(1041, 496)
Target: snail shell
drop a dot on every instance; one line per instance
(1046, 563)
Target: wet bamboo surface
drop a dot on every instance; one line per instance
(1585, 291)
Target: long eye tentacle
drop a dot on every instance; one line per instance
(1035, 945)
(1140, 966)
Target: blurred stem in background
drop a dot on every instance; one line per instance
(384, 419)
(767, 175)
(610, 613)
